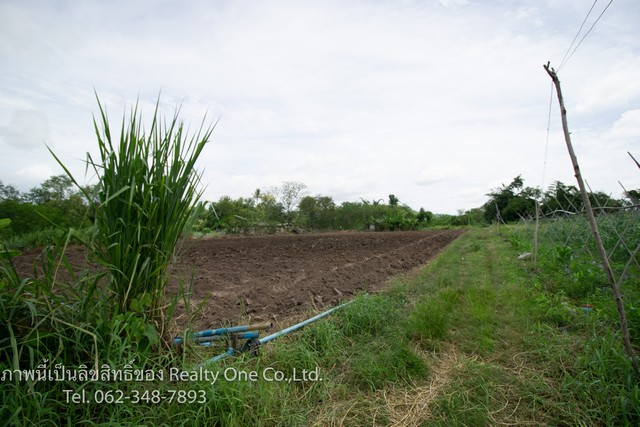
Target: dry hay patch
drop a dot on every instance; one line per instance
(412, 406)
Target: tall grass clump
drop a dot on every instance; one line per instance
(147, 195)
(62, 322)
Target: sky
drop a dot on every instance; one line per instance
(435, 101)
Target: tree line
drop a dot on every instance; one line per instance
(514, 201)
(54, 203)
(289, 206)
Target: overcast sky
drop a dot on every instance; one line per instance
(435, 101)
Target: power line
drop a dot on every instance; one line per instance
(546, 148)
(577, 34)
(586, 34)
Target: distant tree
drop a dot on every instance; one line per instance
(561, 197)
(232, 215)
(634, 196)
(269, 209)
(393, 200)
(600, 199)
(53, 203)
(316, 212)
(56, 188)
(424, 217)
(289, 194)
(474, 216)
(8, 192)
(23, 215)
(356, 215)
(511, 201)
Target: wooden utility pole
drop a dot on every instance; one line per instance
(626, 340)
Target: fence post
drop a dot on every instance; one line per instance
(626, 339)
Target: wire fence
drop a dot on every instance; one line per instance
(564, 236)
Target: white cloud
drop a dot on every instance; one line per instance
(627, 127)
(27, 130)
(39, 171)
(437, 102)
(613, 85)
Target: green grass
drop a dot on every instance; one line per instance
(476, 338)
(477, 327)
(60, 321)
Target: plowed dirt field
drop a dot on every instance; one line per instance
(275, 277)
(261, 278)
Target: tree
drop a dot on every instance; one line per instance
(269, 210)
(634, 196)
(424, 217)
(8, 192)
(393, 200)
(561, 197)
(229, 214)
(289, 194)
(57, 188)
(316, 212)
(511, 201)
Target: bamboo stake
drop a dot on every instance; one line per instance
(626, 339)
(634, 159)
(535, 236)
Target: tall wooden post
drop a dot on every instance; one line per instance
(626, 340)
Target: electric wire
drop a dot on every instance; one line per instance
(585, 35)
(546, 148)
(577, 34)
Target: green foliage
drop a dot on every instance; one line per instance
(242, 215)
(147, 192)
(317, 213)
(267, 212)
(424, 217)
(4, 251)
(54, 323)
(510, 202)
(146, 197)
(48, 236)
(603, 374)
(289, 194)
(397, 219)
(515, 201)
(8, 192)
(569, 265)
(53, 204)
(55, 189)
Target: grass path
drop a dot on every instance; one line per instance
(499, 349)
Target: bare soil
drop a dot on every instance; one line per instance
(274, 277)
(262, 278)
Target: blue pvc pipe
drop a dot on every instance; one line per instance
(300, 325)
(229, 352)
(231, 330)
(239, 335)
(271, 337)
